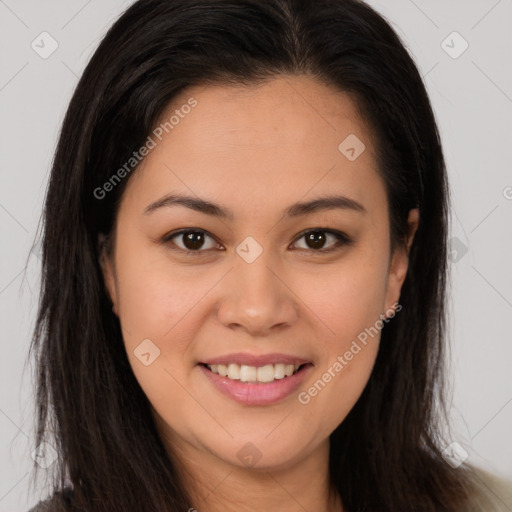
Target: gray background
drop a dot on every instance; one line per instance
(472, 98)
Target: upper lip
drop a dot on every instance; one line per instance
(254, 360)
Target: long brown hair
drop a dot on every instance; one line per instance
(387, 454)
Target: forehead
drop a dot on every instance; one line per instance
(258, 144)
(297, 109)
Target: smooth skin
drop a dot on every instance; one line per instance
(254, 150)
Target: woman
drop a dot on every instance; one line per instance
(244, 267)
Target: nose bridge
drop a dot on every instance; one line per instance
(256, 297)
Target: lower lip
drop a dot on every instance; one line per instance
(257, 393)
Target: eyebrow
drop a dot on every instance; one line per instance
(295, 210)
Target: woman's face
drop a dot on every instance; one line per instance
(267, 284)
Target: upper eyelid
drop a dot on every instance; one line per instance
(341, 236)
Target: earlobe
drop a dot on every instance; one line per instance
(107, 269)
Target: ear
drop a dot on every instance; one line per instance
(108, 269)
(400, 262)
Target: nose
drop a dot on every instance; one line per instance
(257, 298)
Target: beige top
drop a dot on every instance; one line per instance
(494, 495)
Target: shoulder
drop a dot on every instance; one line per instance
(493, 493)
(58, 502)
(44, 506)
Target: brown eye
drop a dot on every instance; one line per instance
(316, 240)
(192, 240)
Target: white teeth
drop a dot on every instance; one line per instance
(246, 373)
(266, 373)
(289, 369)
(234, 371)
(278, 371)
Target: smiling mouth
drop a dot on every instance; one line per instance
(255, 374)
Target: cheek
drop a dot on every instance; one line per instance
(349, 350)
(154, 296)
(157, 316)
(347, 297)
(348, 303)
(155, 307)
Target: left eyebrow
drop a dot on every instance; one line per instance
(295, 210)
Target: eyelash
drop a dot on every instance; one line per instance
(343, 240)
